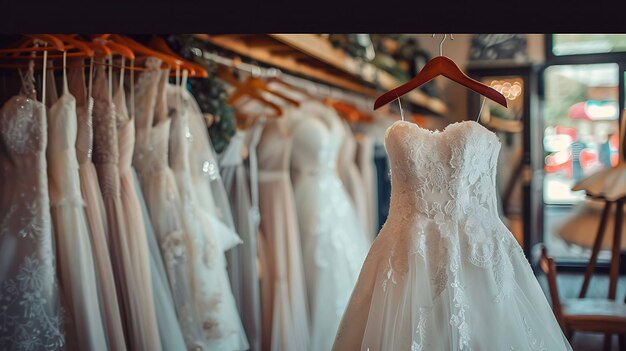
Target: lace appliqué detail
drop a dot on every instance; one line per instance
(21, 131)
(419, 339)
(27, 321)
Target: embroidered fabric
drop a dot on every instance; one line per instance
(30, 314)
(213, 296)
(334, 243)
(164, 205)
(444, 267)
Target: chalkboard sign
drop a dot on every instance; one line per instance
(499, 47)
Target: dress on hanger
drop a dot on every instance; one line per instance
(147, 338)
(77, 275)
(352, 179)
(334, 244)
(94, 210)
(211, 237)
(445, 273)
(30, 312)
(163, 202)
(284, 307)
(106, 160)
(242, 260)
(169, 331)
(367, 168)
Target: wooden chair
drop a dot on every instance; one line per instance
(586, 315)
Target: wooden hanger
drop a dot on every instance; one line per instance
(443, 66)
(27, 44)
(259, 84)
(63, 45)
(242, 90)
(142, 50)
(295, 88)
(195, 70)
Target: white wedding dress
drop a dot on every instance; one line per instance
(445, 273)
(333, 239)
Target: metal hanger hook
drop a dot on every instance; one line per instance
(441, 43)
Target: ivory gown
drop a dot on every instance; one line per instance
(445, 273)
(242, 260)
(211, 237)
(333, 240)
(147, 337)
(285, 321)
(106, 158)
(77, 274)
(31, 317)
(163, 200)
(94, 210)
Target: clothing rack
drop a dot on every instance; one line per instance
(313, 57)
(313, 87)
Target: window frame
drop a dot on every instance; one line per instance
(551, 59)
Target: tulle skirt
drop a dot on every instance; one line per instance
(408, 299)
(334, 246)
(96, 220)
(284, 300)
(169, 328)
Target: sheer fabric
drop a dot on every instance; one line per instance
(242, 260)
(169, 329)
(163, 201)
(284, 301)
(445, 273)
(94, 210)
(106, 160)
(30, 313)
(147, 337)
(334, 243)
(213, 296)
(75, 256)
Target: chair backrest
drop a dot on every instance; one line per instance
(549, 269)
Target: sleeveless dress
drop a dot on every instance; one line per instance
(163, 202)
(30, 313)
(211, 238)
(147, 338)
(284, 307)
(242, 260)
(77, 275)
(106, 159)
(334, 244)
(94, 211)
(445, 273)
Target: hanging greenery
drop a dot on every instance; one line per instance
(210, 93)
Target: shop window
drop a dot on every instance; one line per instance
(582, 102)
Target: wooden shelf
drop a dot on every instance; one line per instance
(314, 57)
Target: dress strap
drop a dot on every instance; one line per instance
(65, 85)
(132, 89)
(50, 93)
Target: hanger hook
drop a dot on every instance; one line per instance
(441, 44)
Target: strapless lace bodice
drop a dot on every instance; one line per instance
(442, 175)
(443, 185)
